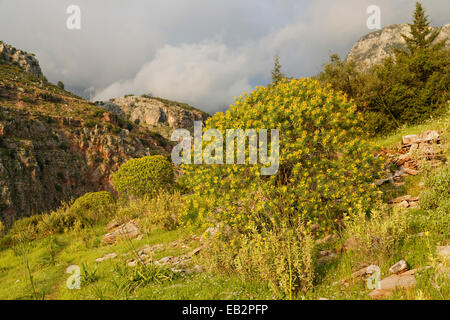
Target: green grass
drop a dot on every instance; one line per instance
(395, 138)
(50, 278)
(49, 257)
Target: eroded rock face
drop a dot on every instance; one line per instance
(376, 46)
(155, 112)
(45, 160)
(24, 60)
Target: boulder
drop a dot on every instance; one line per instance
(399, 267)
(107, 257)
(127, 230)
(388, 285)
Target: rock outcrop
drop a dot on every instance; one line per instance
(24, 60)
(155, 113)
(55, 146)
(45, 160)
(376, 46)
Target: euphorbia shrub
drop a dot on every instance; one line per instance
(326, 167)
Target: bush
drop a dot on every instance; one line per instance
(162, 211)
(283, 258)
(94, 206)
(325, 165)
(376, 235)
(85, 211)
(144, 176)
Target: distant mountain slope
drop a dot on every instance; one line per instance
(376, 46)
(55, 146)
(156, 113)
(24, 60)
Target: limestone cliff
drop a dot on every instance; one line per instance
(156, 113)
(376, 46)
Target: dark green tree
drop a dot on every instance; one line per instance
(422, 35)
(60, 85)
(277, 75)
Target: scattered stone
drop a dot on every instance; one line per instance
(112, 225)
(444, 251)
(195, 252)
(405, 202)
(393, 282)
(360, 273)
(327, 239)
(351, 244)
(400, 199)
(314, 227)
(326, 255)
(411, 172)
(409, 140)
(164, 260)
(127, 230)
(149, 249)
(399, 267)
(107, 257)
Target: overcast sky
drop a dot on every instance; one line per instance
(203, 52)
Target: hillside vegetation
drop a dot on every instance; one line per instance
(358, 207)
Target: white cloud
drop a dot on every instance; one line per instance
(208, 74)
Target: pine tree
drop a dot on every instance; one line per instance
(422, 35)
(277, 75)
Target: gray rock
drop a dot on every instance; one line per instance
(399, 267)
(376, 46)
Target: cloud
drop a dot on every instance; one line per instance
(200, 51)
(208, 74)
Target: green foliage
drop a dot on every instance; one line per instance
(436, 201)
(161, 211)
(326, 167)
(277, 75)
(283, 258)
(376, 234)
(422, 36)
(406, 89)
(144, 176)
(84, 212)
(94, 205)
(60, 85)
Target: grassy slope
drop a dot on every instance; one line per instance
(49, 276)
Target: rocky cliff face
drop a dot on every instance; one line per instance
(159, 114)
(45, 160)
(376, 46)
(24, 60)
(55, 146)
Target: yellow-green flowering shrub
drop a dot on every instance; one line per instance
(144, 176)
(326, 167)
(94, 205)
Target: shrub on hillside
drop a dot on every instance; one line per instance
(144, 176)
(326, 167)
(376, 235)
(161, 211)
(85, 211)
(93, 206)
(283, 258)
